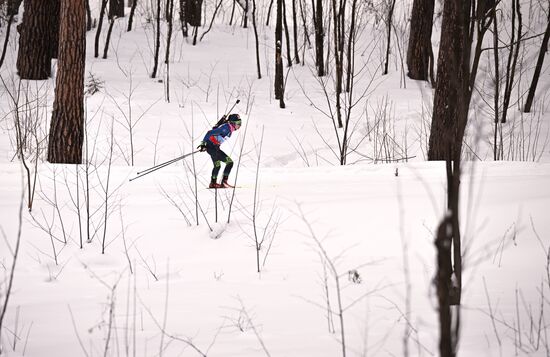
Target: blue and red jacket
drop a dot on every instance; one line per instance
(218, 135)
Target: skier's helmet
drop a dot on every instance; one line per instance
(234, 118)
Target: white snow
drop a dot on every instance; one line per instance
(169, 286)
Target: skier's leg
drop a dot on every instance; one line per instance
(216, 169)
(217, 157)
(228, 167)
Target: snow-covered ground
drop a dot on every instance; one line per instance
(178, 276)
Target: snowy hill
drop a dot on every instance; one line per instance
(163, 266)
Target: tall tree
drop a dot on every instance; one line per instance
(538, 67)
(36, 34)
(389, 25)
(67, 124)
(319, 36)
(295, 31)
(451, 98)
(419, 52)
(116, 8)
(12, 10)
(279, 79)
(157, 42)
(54, 32)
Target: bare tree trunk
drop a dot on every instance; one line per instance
(319, 37)
(6, 39)
(287, 37)
(351, 43)
(419, 51)
(496, 96)
(35, 38)
(295, 32)
(11, 11)
(304, 25)
(269, 12)
(116, 8)
(67, 124)
(89, 21)
(99, 26)
(183, 17)
(452, 94)
(245, 15)
(108, 39)
(193, 12)
(54, 23)
(170, 20)
(256, 39)
(132, 11)
(157, 42)
(538, 68)
(389, 23)
(339, 70)
(512, 59)
(233, 12)
(279, 85)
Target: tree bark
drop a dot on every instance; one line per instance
(35, 40)
(452, 92)
(419, 52)
(279, 86)
(193, 12)
(256, 38)
(389, 21)
(538, 68)
(319, 37)
(67, 124)
(157, 42)
(54, 22)
(99, 26)
(116, 8)
(287, 37)
(131, 18)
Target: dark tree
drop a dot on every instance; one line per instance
(257, 40)
(67, 124)
(170, 19)
(193, 12)
(116, 8)
(12, 10)
(268, 12)
(54, 39)
(157, 42)
(99, 26)
(183, 17)
(451, 98)
(35, 39)
(131, 17)
(287, 37)
(319, 37)
(389, 25)
(351, 47)
(419, 52)
(279, 80)
(338, 40)
(295, 31)
(538, 68)
(89, 20)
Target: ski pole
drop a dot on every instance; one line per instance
(160, 166)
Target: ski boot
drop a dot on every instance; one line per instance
(226, 184)
(214, 184)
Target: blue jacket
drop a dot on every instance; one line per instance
(218, 135)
